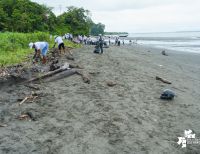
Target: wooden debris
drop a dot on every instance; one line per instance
(24, 100)
(75, 66)
(54, 67)
(23, 117)
(3, 125)
(163, 80)
(26, 116)
(28, 97)
(3, 73)
(66, 72)
(85, 77)
(94, 73)
(61, 75)
(32, 86)
(111, 83)
(49, 74)
(70, 57)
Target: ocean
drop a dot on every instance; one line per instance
(179, 41)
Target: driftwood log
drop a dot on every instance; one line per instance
(48, 74)
(32, 86)
(75, 66)
(61, 75)
(68, 73)
(62, 72)
(70, 57)
(3, 125)
(85, 77)
(163, 80)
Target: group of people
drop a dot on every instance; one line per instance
(68, 36)
(41, 48)
(86, 40)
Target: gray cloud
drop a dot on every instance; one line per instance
(112, 5)
(137, 15)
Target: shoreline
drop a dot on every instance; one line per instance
(169, 43)
(157, 49)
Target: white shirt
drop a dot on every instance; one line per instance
(40, 45)
(67, 35)
(58, 40)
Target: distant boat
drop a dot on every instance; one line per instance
(123, 35)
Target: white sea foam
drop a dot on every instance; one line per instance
(179, 41)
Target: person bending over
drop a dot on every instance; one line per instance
(41, 48)
(61, 45)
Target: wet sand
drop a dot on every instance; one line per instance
(73, 117)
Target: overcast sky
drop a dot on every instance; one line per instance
(137, 15)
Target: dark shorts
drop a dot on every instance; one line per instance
(61, 45)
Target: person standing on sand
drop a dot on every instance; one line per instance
(40, 48)
(101, 43)
(61, 45)
(116, 40)
(130, 42)
(118, 43)
(109, 40)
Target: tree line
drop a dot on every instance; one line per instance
(26, 16)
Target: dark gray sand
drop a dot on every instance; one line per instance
(73, 117)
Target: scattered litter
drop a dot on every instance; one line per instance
(164, 53)
(26, 116)
(54, 65)
(167, 94)
(111, 83)
(163, 80)
(65, 66)
(33, 96)
(23, 117)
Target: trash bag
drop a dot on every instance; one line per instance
(97, 48)
(167, 94)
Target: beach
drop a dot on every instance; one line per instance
(73, 117)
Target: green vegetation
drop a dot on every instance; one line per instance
(76, 21)
(114, 33)
(97, 29)
(26, 16)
